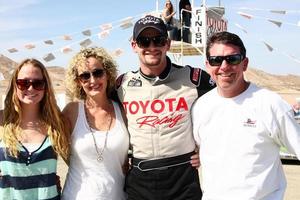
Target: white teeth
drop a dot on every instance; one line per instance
(31, 95)
(95, 87)
(225, 75)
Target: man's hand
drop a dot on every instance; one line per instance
(126, 166)
(58, 184)
(195, 161)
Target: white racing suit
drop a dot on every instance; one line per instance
(158, 109)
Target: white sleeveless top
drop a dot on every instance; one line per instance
(88, 178)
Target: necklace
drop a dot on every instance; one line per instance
(99, 152)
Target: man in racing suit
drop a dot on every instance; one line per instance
(157, 99)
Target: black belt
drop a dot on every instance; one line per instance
(161, 164)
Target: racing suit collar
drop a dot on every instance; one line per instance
(162, 76)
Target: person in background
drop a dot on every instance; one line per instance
(157, 99)
(99, 138)
(296, 108)
(169, 19)
(186, 19)
(240, 128)
(32, 134)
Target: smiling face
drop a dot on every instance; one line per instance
(30, 96)
(94, 85)
(228, 77)
(152, 58)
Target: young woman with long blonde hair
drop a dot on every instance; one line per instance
(33, 133)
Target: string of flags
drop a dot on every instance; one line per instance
(282, 12)
(102, 31)
(278, 23)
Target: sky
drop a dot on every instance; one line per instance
(34, 21)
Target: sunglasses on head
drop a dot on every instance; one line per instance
(24, 84)
(85, 76)
(158, 41)
(230, 59)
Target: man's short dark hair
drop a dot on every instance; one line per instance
(225, 38)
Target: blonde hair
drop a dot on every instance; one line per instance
(74, 89)
(49, 111)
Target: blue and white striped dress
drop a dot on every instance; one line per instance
(31, 176)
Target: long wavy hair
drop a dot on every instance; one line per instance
(171, 9)
(74, 89)
(50, 113)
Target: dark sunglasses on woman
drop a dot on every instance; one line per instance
(96, 73)
(24, 84)
(158, 41)
(230, 59)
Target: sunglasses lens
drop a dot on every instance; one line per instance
(143, 42)
(230, 59)
(159, 41)
(234, 59)
(85, 76)
(24, 84)
(215, 60)
(98, 73)
(38, 84)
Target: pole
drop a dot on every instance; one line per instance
(205, 31)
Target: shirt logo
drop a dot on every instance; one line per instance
(158, 111)
(196, 75)
(134, 82)
(212, 82)
(148, 20)
(250, 123)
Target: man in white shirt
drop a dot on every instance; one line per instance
(240, 128)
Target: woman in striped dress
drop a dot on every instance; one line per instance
(32, 134)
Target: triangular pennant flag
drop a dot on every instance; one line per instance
(85, 43)
(1, 77)
(66, 49)
(283, 12)
(242, 28)
(270, 48)
(67, 37)
(248, 16)
(118, 52)
(12, 50)
(49, 57)
(103, 34)
(126, 20)
(106, 27)
(126, 23)
(29, 46)
(50, 42)
(277, 23)
(87, 33)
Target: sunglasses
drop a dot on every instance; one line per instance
(24, 84)
(230, 59)
(158, 41)
(85, 76)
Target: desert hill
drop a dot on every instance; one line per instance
(286, 85)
